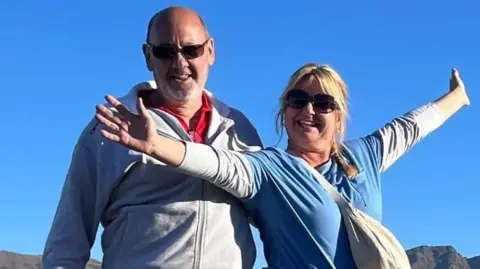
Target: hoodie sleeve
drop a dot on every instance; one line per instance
(397, 137)
(227, 169)
(82, 201)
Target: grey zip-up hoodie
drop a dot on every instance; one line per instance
(153, 216)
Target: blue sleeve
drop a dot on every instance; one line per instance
(259, 171)
(373, 145)
(260, 177)
(367, 151)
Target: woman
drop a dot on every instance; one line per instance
(299, 223)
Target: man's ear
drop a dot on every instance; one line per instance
(211, 51)
(147, 53)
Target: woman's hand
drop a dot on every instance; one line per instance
(455, 99)
(136, 132)
(457, 87)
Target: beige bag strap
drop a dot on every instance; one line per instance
(339, 199)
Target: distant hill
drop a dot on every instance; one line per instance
(12, 260)
(423, 257)
(440, 257)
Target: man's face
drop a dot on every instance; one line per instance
(179, 54)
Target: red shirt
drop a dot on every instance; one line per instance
(198, 133)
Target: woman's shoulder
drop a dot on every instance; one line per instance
(273, 158)
(269, 154)
(364, 152)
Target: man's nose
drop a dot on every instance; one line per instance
(179, 61)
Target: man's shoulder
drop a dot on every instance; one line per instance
(243, 126)
(238, 115)
(241, 120)
(90, 131)
(92, 139)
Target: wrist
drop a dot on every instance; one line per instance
(461, 95)
(154, 146)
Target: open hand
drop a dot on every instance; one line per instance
(456, 85)
(136, 132)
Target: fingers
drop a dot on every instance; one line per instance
(113, 124)
(455, 74)
(120, 107)
(110, 136)
(141, 108)
(108, 114)
(112, 100)
(114, 127)
(455, 79)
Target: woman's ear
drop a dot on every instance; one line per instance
(338, 122)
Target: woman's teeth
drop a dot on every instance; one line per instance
(307, 122)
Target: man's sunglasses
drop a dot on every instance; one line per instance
(168, 51)
(322, 103)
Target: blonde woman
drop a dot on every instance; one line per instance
(299, 223)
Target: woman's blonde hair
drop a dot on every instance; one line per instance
(332, 84)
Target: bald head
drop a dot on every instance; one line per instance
(179, 53)
(173, 17)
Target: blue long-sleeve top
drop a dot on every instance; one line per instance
(299, 223)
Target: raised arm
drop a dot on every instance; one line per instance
(226, 169)
(401, 134)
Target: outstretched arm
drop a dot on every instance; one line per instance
(226, 169)
(401, 134)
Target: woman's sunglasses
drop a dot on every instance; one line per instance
(168, 52)
(322, 103)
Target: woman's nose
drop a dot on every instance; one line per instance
(309, 108)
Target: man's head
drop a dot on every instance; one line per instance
(179, 52)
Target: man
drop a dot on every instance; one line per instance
(153, 216)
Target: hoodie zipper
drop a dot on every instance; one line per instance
(201, 218)
(202, 203)
(202, 208)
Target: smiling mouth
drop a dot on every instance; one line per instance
(307, 123)
(180, 78)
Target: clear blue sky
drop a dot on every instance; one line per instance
(59, 58)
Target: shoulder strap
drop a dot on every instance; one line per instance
(339, 199)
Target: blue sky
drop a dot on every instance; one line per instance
(59, 58)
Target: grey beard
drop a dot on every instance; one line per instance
(180, 96)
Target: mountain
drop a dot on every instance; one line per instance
(474, 262)
(440, 257)
(12, 260)
(423, 257)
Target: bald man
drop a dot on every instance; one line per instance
(154, 216)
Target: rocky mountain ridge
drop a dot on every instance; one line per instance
(422, 257)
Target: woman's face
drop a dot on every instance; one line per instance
(310, 127)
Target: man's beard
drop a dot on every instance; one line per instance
(182, 96)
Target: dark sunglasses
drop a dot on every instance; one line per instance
(322, 103)
(168, 51)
